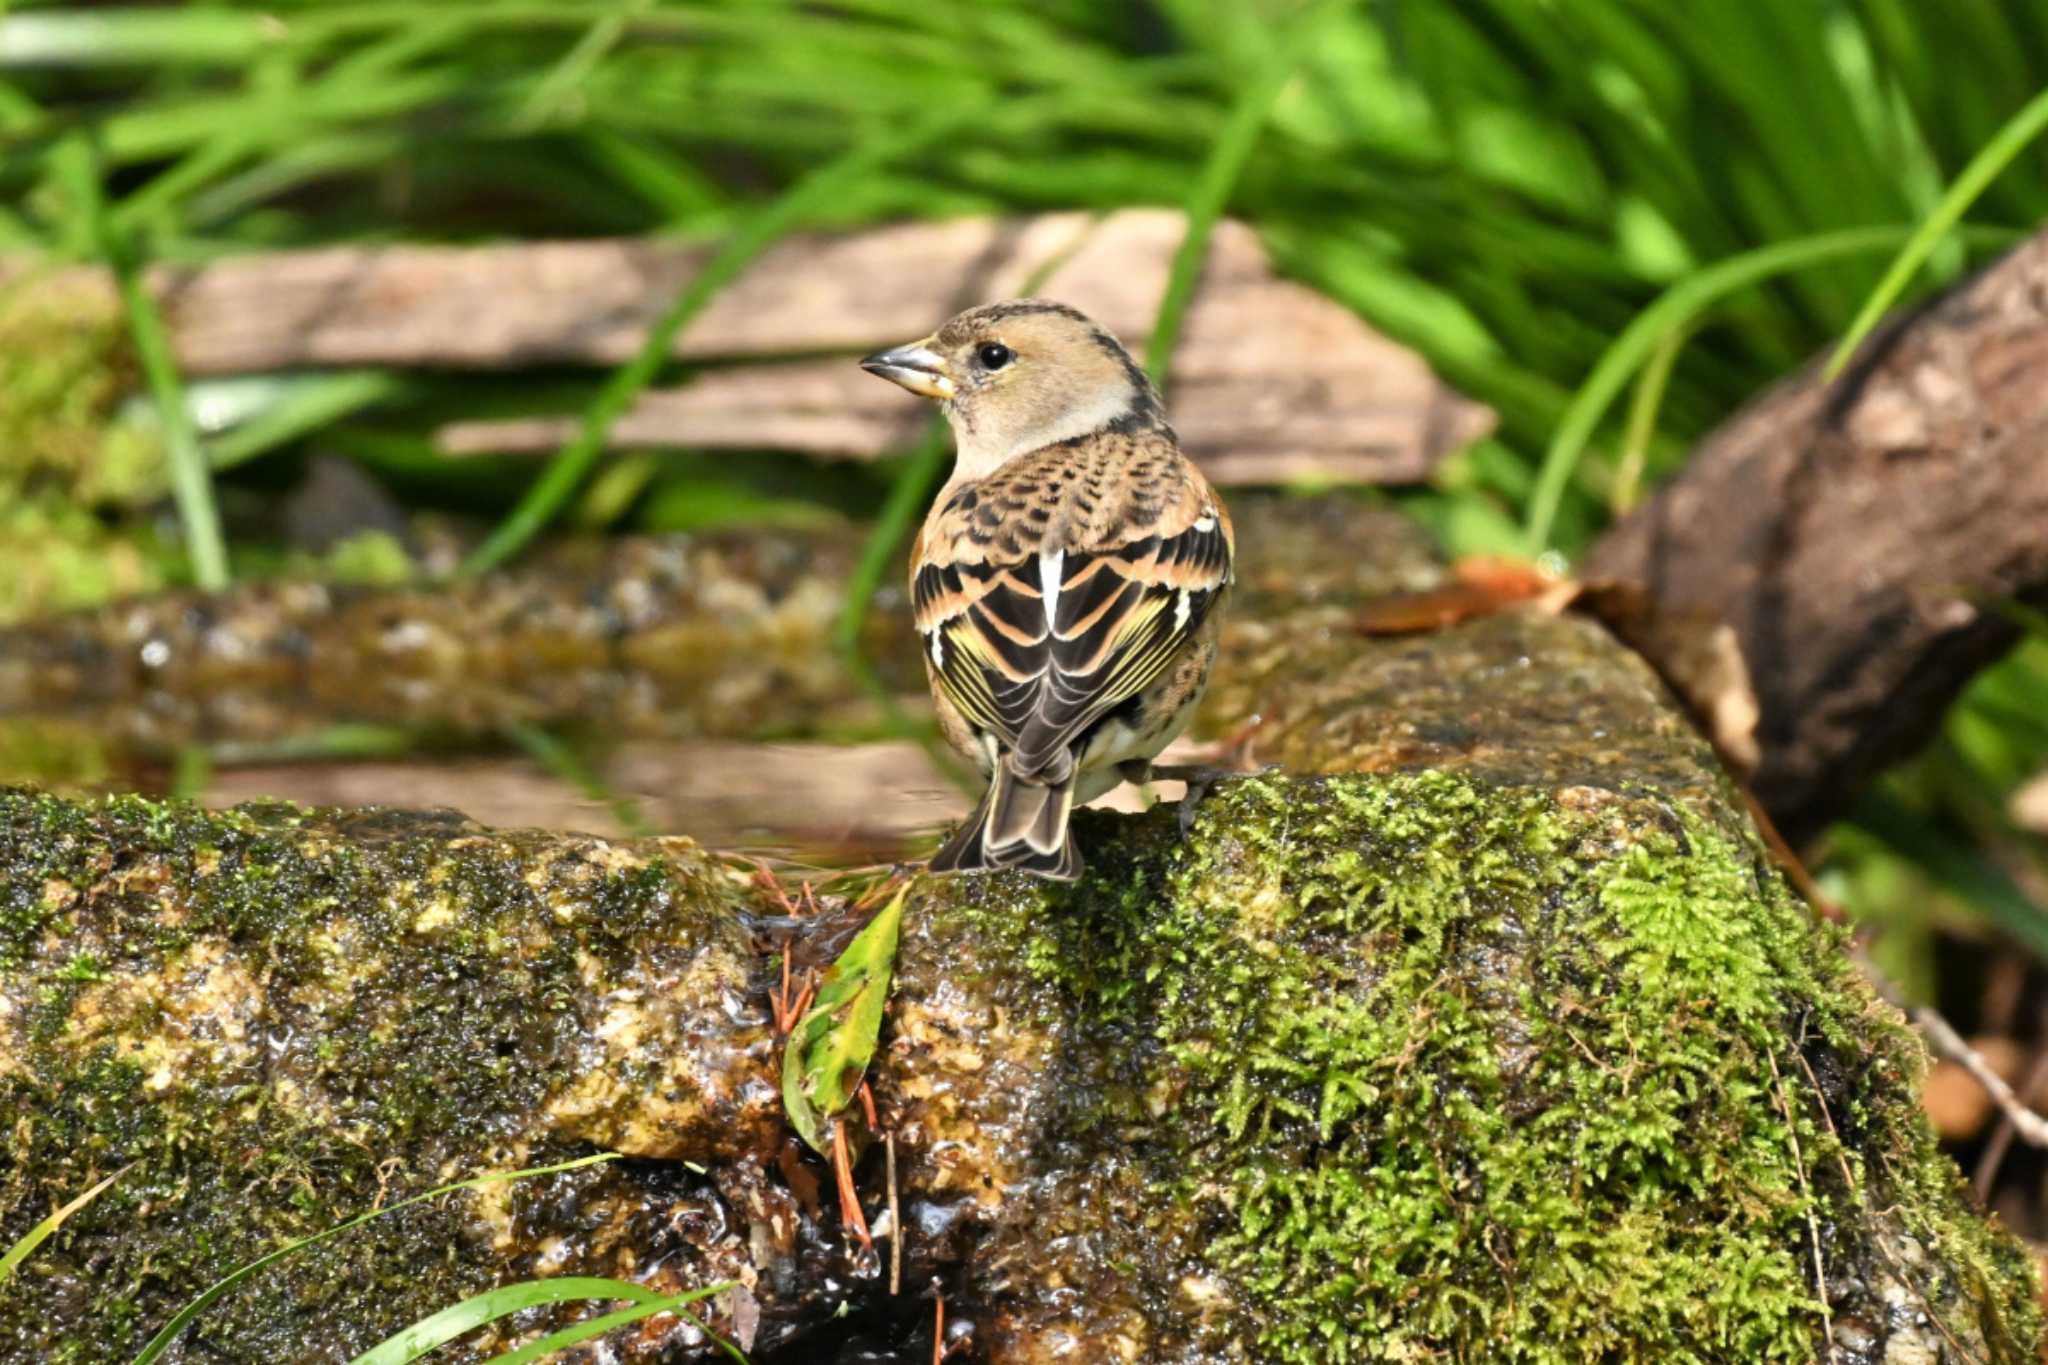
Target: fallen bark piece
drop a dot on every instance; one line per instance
(1272, 381)
(1488, 1031)
(1851, 533)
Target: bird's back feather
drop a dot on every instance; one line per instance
(1042, 612)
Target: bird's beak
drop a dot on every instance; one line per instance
(916, 367)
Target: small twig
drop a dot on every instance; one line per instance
(867, 1105)
(1820, 1279)
(850, 1216)
(1938, 1032)
(1942, 1037)
(1826, 1117)
(2001, 1137)
(1788, 862)
(879, 890)
(770, 885)
(780, 1000)
(895, 1218)
(938, 1323)
(1849, 1177)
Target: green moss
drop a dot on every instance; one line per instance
(56, 554)
(1431, 1069)
(1480, 1074)
(245, 1010)
(64, 366)
(374, 558)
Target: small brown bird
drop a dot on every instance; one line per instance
(1069, 580)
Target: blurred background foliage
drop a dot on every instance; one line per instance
(1503, 184)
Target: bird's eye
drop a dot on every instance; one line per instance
(993, 355)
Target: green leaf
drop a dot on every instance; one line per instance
(40, 1233)
(410, 1343)
(829, 1049)
(161, 1342)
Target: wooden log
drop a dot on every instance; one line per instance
(1853, 532)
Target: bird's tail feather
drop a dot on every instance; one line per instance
(1020, 823)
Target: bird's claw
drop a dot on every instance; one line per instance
(1200, 780)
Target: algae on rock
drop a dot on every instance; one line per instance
(1487, 1033)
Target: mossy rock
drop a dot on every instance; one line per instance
(1438, 1071)
(1367, 1067)
(1487, 1033)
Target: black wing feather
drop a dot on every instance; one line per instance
(1124, 615)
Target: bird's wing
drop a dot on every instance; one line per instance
(1038, 649)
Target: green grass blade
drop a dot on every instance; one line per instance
(596, 1327)
(1957, 866)
(573, 462)
(40, 1233)
(1205, 203)
(191, 479)
(577, 63)
(303, 408)
(132, 37)
(2021, 129)
(669, 184)
(907, 498)
(161, 1342)
(561, 760)
(410, 1343)
(1642, 419)
(1675, 307)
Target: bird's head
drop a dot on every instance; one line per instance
(1018, 376)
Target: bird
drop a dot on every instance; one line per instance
(1068, 583)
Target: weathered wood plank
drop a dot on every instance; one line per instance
(1272, 381)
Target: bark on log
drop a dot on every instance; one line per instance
(1486, 1032)
(1843, 530)
(1273, 382)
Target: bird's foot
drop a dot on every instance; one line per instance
(1199, 777)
